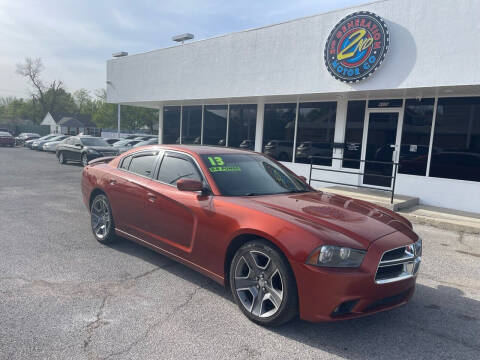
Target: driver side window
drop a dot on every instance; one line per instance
(175, 167)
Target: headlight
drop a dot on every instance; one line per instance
(91, 151)
(418, 247)
(336, 256)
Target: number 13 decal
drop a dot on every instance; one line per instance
(216, 161)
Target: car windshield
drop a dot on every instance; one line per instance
(251, 174)
(93, 142)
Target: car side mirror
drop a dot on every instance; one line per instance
(189, 185)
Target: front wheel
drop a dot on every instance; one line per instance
(102, 220)
(263, 284)
(61, 158)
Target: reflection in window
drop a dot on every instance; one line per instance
(417, 125)
(456, 141)
(241, 129)
(215, 125)
(278, 131)
(171, 125)
(315, 130)
(354, 134)
(191, 124)
(175, 167)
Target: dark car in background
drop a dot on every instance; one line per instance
(82, 149)
(145, 137)
(6, 139)
(20, 139)
(247, 145)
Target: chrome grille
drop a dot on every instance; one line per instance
(399, 264)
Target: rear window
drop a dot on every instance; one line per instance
(142, 164)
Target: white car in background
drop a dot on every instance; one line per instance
(51, 146)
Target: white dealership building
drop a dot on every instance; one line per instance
(354, 88)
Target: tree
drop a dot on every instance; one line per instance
(47, 96)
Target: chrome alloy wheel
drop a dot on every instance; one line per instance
(101, 218)
(258, 283)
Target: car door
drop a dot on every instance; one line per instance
(127, 188)
(67, 149)
(172, 215)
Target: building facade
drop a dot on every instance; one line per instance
(355, 88)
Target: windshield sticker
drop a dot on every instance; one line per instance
(216, 160)
(224, 169)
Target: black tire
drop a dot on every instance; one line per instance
(101, 216)
(276, 288)
(84, 160)
(61, 158)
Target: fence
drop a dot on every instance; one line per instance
(393, 177)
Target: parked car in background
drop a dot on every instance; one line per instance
(132, 136)
(312, 148)
(112, 141)
(6, 139)
(124, 145)
(247, 145)
(30, 143)
(20, 139)
(279, 150)
(51, 146)
(39, 144)
(145, 137)
(249, 223)
(82, 149)
(151, 141)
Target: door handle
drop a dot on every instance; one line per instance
(151, 197)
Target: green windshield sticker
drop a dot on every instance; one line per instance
(224, 169)
(216, 160)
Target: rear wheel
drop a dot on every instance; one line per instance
(61, 158)
(84, 160)
(263, 284)
(102, 220)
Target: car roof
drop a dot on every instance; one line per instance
(202, 149)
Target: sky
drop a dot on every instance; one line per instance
(75, 38)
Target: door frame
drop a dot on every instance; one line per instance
(398, 139)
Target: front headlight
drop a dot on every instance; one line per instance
(336, 256)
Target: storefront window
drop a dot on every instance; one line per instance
(191, 124)
(242, 126)
(354, 134)
(456, 141)
(417, 125)
(315, 131)
(171, 125)
(215, 125)
(278, 130)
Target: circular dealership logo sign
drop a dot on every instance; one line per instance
(356, 46)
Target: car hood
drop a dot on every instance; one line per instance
(360, 221)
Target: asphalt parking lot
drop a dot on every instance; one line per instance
(65, 296)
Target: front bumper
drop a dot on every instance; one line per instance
(330, 294)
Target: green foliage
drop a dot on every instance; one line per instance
(103, 114)
(52, 97)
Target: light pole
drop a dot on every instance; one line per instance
(118, 55)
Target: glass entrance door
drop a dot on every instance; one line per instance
(381, 141)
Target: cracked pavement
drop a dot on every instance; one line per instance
(65, 296)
